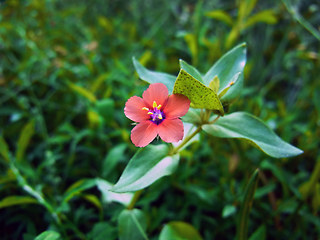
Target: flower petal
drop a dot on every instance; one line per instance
(143, 133)
(171, 130)
(156, 92)
(177, 106)
(133, 109)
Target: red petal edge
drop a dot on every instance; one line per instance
(133, 109)
(177, 106)
(171, 130)
(143, 133)
(156, 92)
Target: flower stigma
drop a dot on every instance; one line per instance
(156, 115)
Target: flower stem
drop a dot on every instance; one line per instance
(185, 141)
(134, 199)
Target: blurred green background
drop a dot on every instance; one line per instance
(66, 72)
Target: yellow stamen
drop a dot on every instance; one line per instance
(145, 108)
(160, 116)
(154, 104)
(150, 113)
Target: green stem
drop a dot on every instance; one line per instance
(134, 199)
(24, 184)
(185, 141)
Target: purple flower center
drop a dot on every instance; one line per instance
(156, 115)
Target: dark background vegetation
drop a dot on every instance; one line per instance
(66, 70)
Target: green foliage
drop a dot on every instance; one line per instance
(179, 231)
(199, 95)
(65, 74)
(146, 166)
(48, 235)
(245, 126)
(242, 227)
(132, 225)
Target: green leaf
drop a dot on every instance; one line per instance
(48, 235)
(308, 188)
(145, 167)
(220, 15)
(78, 187)
(226, 68)
(215, 84)
(105, 108)
(192, 116)
(83, 92)
(108, 196)
(192, 42)
(246, 126)
(259, 234)
(24, 139)
(112, 158)
(132, 224)
(4, 150)
(154, 77)
(16, 200)
(242, 226)
(102, 231)
(228, 210)
(177, 230)
(266, 16)
(200, 95)
(245, 8)
(190, 70)
(233, 81)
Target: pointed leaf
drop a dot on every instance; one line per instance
(226, 68)
(220, 15)
(154, 77)
(112, 158)
(78, 187)
(24, 139)
(102, 231)
(4, 150)
(83, 92)
(16, 200)
(233, 81)
(179, 231)
(132, 224)
(215, 84)
(145, 167)
(108, 196)
(246, 126)
(48, 235)
(259, 234)
(266, 16)
(200, 95)
(191, 70)
(242, 226)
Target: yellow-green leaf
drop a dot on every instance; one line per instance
(266, 16)
(16, 200)
(4, 150)
(242, 227)
(83, 92)
(215, 84)
(200, 95)
(220, 15)
(24, 139)
(179, 231)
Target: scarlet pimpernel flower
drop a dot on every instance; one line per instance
(157, 114)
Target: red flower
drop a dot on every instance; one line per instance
(156, 114)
